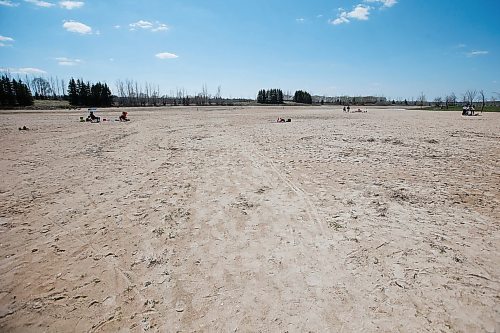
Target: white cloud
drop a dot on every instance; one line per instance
(71, 4)
(63, 61)
(77, 27)
(385, 3)
(477, 53)
(8, 3)
(40, 3)
(166, 55)
(160, 27)
(117, 26)
(339, 20)
(146, 25)
(300, 20)
(141, 24)
(25, 70)
(360, 12)
(6, 40)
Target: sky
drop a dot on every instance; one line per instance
(393, 48)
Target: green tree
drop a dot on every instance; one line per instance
(302, 97)
(271, 96)
(72, 92)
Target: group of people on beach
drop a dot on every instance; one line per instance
(468, 110)
(95, 119)
(348, 110)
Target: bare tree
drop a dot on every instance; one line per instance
(421, 99)
(41, 87)
(482, 100)
(451, 99)
(120, 90)
(438, 101)
(218, 100)
(495, 99)
(204, 94)
(470, 96)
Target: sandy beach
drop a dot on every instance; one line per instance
(220, 219)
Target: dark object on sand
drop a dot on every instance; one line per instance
(24, 128)
(282, 120)
(93, 118)
(123, 117)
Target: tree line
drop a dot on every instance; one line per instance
(302, 97)
(85, 94)
(14, 92)
(271, 96)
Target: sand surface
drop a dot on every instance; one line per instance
(222, 220)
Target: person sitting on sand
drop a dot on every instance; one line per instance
(280, 120)
(123, 117)
(93, 118)
(343, 109)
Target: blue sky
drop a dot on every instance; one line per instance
(391, 48)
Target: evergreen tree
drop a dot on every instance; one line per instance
(23, 94)
(271, 96)
(302, 97)
(106, 98)
(4, 93)
(11, 98)
(72, 92)
(14, 93)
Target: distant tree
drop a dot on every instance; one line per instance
(438, 101)
(14, 93)
(482, 99)
(469, 96)
(72, 92)
(100, 95)
(271, 96)
(22, 92)
(451, 100)
(302, 97)
(421, 99)
(42, 88)
(85, 94)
